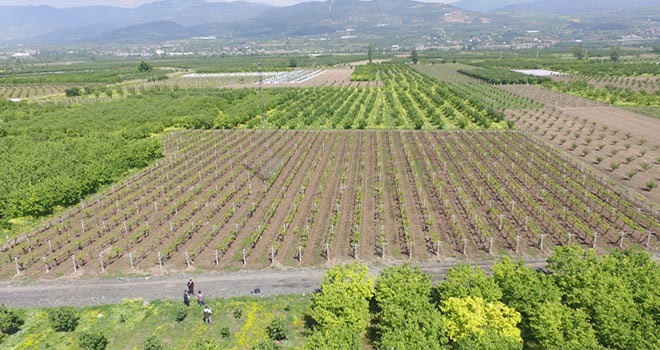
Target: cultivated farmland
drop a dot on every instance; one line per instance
(258, 198)
(30, 91)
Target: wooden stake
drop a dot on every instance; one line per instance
(130, 257)
(541, 242)
(45, 264)
(465, 246)
(327, 251)
(75, 266)
(490, 245)
(621, 239)
(437, 248)
(517, 241)
(648, 238)
(299, 254)
(101, 261)
(18, 269)
(594, 242)
(244, 258)
(160, 260)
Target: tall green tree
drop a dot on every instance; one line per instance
(481, 324)
(464, 280)
(578, 52)
(557, 326)
(144, 67)
(344, 298)
(414, 56)
(618, 291)
(370, 53)
(615, 54)
(406, 317)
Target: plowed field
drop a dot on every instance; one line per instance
(250, 199)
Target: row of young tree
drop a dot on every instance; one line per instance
(581, 301)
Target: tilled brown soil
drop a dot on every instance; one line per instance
(230, 199)
(605, 138)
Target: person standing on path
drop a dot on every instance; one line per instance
(186, 298)
(207, 314)
(200, 298)
(191, 287)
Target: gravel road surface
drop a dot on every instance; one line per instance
(88, 292)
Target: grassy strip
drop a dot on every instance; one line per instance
(237, 323)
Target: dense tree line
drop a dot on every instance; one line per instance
(587, 67)
(502, 76)
(582, 301)
(53, 155)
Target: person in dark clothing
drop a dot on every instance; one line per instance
(191, 287)
(186, 298)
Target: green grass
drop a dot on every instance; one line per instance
(127, 324)
(653, 112)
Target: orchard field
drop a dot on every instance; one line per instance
(228, 199)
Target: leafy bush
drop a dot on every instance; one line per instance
(267, 345)
(152, 343)
(344, 298)
(333, 338)
(92, 340)
(238, 313)
(180, 313)
(224, 332)
(10, 321)
(73, 91)
(406, 317)
(63, 319)
(276, 330)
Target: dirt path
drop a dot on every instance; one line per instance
(89, 292)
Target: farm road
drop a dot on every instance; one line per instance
(89, 292)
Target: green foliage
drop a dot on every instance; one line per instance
(333, 337)
(181, 313)
(464, 280)
(64, 319)
(343, 301)
(58, 154)
(502, 76)
(414, 56)
(92, 340)
(406, 318)
(370, 53)
(205, 344)
(609, 94)
(238, 313)
(475, 320)
(10, 321)
(615, 54)
(293, 62)
(152, 342)
(487, 340)
(73, 92)
(224, 332)
(578, 52)
(276, 330)
(557, 326)
(144, 67)
(366, 72)
(269, 344)
(617, 291)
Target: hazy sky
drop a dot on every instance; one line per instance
(133, 3)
